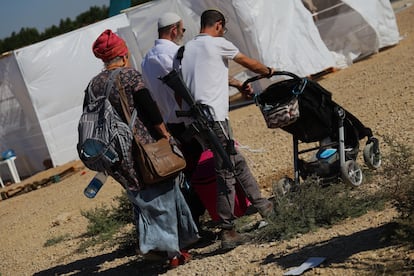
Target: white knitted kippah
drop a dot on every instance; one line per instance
(167, 19)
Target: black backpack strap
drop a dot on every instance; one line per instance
(179, 56)
(180, 53)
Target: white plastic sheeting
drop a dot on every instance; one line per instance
(41, 86)
(19, 127)
(380, 15)
(354, 29)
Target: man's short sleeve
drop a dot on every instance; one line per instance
(227, 48)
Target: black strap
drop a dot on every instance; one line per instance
(180, 53)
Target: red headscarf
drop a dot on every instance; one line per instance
(109, 46)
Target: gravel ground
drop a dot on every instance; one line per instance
(378, 90)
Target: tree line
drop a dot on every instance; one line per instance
(27, 36)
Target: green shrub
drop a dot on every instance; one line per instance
(312, 206)
(100, 221)
(399, 177)
(105, 222)
(124, 213)
(56, 240)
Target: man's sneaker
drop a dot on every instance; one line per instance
(231, 239)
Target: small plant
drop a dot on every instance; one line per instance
(105, 222)
(124, 212)
(101, 221)
(312, 206)
(400, 182)
(56, 240)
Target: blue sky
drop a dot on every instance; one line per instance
(40, 14)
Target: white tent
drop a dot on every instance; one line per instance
(355, 29)
(41, 86)
(19, 127)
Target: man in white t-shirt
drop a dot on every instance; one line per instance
(205, 71)
(158, 62)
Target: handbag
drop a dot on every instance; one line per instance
(281, 115)
(157, 161)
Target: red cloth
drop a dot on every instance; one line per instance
(204, 184)
(109, 46)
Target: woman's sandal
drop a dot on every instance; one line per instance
(183, 258)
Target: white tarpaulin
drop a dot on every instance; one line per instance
(380, 15)
(354, 29)
(19, 127)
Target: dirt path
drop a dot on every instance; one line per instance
(378, 90)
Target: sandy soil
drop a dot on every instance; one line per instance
(378, 90)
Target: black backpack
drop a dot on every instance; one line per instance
(104, 138)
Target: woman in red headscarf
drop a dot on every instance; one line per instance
(164, 221)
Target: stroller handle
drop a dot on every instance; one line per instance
(277, 73)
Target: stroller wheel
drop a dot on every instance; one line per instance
(351, 173)
(372, 156)
(282, 187)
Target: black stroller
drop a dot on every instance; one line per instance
(306, 110)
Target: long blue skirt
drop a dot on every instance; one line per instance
(164, 218)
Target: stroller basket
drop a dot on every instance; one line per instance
(281, 112)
